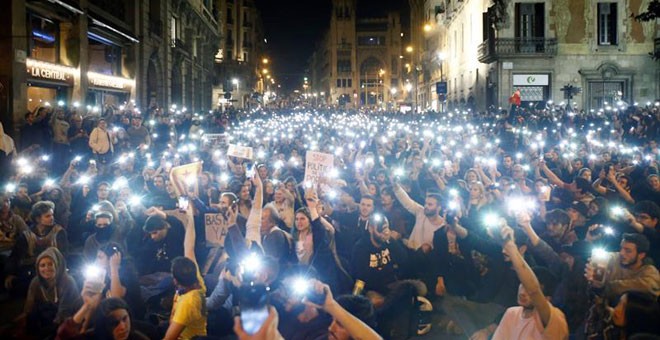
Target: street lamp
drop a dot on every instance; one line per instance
(264, 60)
(427, 27)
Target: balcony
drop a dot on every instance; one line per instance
(247, 24)
(179, 45)
(247, 45)
(493, 49)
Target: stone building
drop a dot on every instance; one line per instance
(239, 65)
(491, 48)
(358, 61)
(97, 53)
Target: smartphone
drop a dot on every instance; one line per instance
(183, 203)
(249, 171)
(95, 278)
(253, 319)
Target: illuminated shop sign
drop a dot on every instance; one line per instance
(47, 71)
(106, 81)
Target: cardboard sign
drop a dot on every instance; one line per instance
(318, 166)
(215, 226)
(238, 151)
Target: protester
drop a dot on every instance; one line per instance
(435, 178)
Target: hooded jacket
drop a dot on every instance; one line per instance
(63, 292)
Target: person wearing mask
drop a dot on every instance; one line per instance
(104, 232)
(535, 317)
(52, 295)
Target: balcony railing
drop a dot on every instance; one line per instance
(494, 49)
(179, 44)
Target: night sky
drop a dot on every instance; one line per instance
(293, 27)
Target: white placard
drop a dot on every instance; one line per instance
(317, 166)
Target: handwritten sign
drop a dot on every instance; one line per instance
(215, 139)
(317, 166)
(215, 226)
(239, 151)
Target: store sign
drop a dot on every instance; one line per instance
(531, 79)
(102, 80)
(47, 71)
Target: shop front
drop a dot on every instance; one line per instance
(48, 83)
(105, 90)
(534, 88)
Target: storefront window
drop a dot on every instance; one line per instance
(43, 39)
(44, 96)
(104, 57)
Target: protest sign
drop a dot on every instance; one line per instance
(239, 151)
(317, 167)
(215, 226)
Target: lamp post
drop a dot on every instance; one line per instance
(238, 90)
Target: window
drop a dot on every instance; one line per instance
(343, 66)
(371, 41)
(338, 82)
(43, 39)
(607, 23)
(530, 20)
(350, 82)
(245, 56)
(173, 30)
(343, 83)
(230, 17)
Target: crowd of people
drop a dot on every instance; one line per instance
(504, 224)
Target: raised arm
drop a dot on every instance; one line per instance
(405, 200)
(252, 233)
(526, 276)
(551, 176)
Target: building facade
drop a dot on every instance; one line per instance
(176, 55)
(239, 64)
(489, 49)
(93, 54)
(358, 61)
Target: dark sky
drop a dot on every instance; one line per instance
(293, 27)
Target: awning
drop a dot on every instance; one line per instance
(113, 30)
(70, 6)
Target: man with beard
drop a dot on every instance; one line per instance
(352, 226)
(427, 218)
(158, 195)
(138, 135)
(164, 243)
(558, 229)
(631, 270)
(105, 231)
